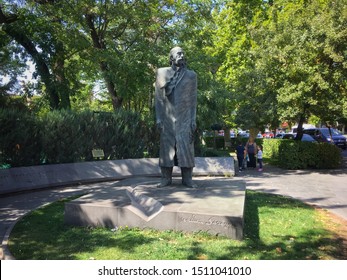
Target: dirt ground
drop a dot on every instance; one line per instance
(338, 226)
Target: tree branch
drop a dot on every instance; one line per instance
(7, 19)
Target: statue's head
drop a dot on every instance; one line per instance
(177, 57)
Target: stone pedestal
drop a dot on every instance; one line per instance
(216, 206)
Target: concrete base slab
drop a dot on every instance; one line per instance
(216, 206)
(52, 175)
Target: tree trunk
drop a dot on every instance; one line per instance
(60, 80)
(41, 65)
(227, 140)
(98, 43)
(300, 130)
(116, 100)
(12, 30)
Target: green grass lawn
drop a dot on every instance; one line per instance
(276, 227)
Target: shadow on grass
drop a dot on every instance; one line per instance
(314, 243)
(43, 235)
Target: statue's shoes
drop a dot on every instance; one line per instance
(164, 184)
(194, 186)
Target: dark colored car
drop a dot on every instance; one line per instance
(324, 135)
(279, 135)
(305, 137)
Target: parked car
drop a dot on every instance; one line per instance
(268, 134)
(305, 137)
(244, 135)
(280, 135)
(304, 126)
(221, 132)
(324, 135)
(232, 134)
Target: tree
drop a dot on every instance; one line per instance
(38, 35)
(113, 44)
(245, 98)
(283, 60)
(302, 46)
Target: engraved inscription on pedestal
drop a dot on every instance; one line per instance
(218, 225)
(205, 221)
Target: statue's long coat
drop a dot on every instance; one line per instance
(176, 110)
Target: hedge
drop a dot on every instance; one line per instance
(288, 154)
(291, 154)
(65, 136)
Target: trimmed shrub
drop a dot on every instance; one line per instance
(65, 136)
(61, 137)
(328, 156)
(20, 139)
(271, 150)
(71, 137)
(209, 140)
(291, 154)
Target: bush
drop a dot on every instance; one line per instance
(65, 136)
(271, 150)
(291, 154)
(118, 134)
(62, 137)
(209, 141)
(220, 142)
(20, 141)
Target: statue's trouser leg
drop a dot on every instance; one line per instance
(187, 177)
(166, 176)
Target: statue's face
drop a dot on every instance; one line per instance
(178, 56)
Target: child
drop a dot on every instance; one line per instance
(260, 158)
(240, 151)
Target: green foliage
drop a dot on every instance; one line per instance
(218, 142)
(214, 142)
(292, 154)
(20, 138)
(271, 150)
(115, 45)
(61, 137)
(64, 136)
(118, 134)
(300, 51)
(258, 62)
(281, 60)
(329, 156)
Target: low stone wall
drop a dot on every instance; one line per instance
(43, 176)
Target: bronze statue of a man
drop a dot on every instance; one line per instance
(175, 103)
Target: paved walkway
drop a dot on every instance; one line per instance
(326, 189)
